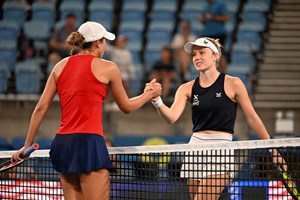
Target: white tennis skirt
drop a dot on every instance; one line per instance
(200, 164)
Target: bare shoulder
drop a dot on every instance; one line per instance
(233, 81)
(103, 62)
(57, 69)
(186, 88)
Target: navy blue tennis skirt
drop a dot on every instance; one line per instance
(79, 153)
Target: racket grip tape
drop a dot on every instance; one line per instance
(31, 149)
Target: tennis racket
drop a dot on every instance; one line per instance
(288, 183)
(8, 164)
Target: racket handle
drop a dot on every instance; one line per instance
(31, 149)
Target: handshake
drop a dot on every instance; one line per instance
(154, 89)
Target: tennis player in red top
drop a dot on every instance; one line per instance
(78, 151)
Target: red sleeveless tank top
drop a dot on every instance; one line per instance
(81, 96)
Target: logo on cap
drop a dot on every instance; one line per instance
(205, 42)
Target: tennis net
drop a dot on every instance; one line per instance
(233, 170)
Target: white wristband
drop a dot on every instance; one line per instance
(158, 103)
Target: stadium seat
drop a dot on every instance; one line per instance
(16, 11)
(133, 16)
(4, 75)
(134, 5)
(135, 40)
(44, 11)
(194, 5)
(258, 17)
(17, 142)
(8, 53)
(39, 32)
(252, 38)
(77, 8)
(28, 77)
(165, 5)
(103, 17)
(4, 144)
(102, 14)
(159, 35)
(9, 30)
(252, 26)
(132, 25)
(135, 85)
(150, 58)
(167, 17)
(243, 58)
(44, 142)
(257, 6)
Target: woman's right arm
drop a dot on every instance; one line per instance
(112, 76)
(172, 114)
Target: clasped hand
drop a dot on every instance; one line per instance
(153, 87)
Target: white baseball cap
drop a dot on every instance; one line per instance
(92, 31)
(201, 42)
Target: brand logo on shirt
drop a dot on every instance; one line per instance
(218, 94)
(195, 100)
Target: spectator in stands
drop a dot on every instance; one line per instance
(214, 18)
(78, 151)
(214, 98)
(164, 69)
(119, 54)
(182, 58)
(57, 44)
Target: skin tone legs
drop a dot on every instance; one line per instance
(94, 185)
(208, 188)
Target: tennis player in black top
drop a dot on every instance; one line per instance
(214, 98)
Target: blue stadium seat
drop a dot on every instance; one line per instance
(242, 71)
(44, 11)
(17, 142)
(243, 58)
(258, 17)
(102, 14)
(159, 35)
(194, 5)
(257, 6)
(161, 25)
(4, 75)
(134, 5)
(9, 30)
(132, 25)
(133, 16)
(77, 8)
(252, 26)
(253, 39)
(4, 144)
(44, 142)
(136, 83)
(39, 32)
(168, 17)
(165, 5)
(104, 17)
(28, 76)
(135, 40)
(8, 53)
(14, 11)
(150, 58)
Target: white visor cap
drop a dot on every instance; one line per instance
(201, 42)
(92, 31)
